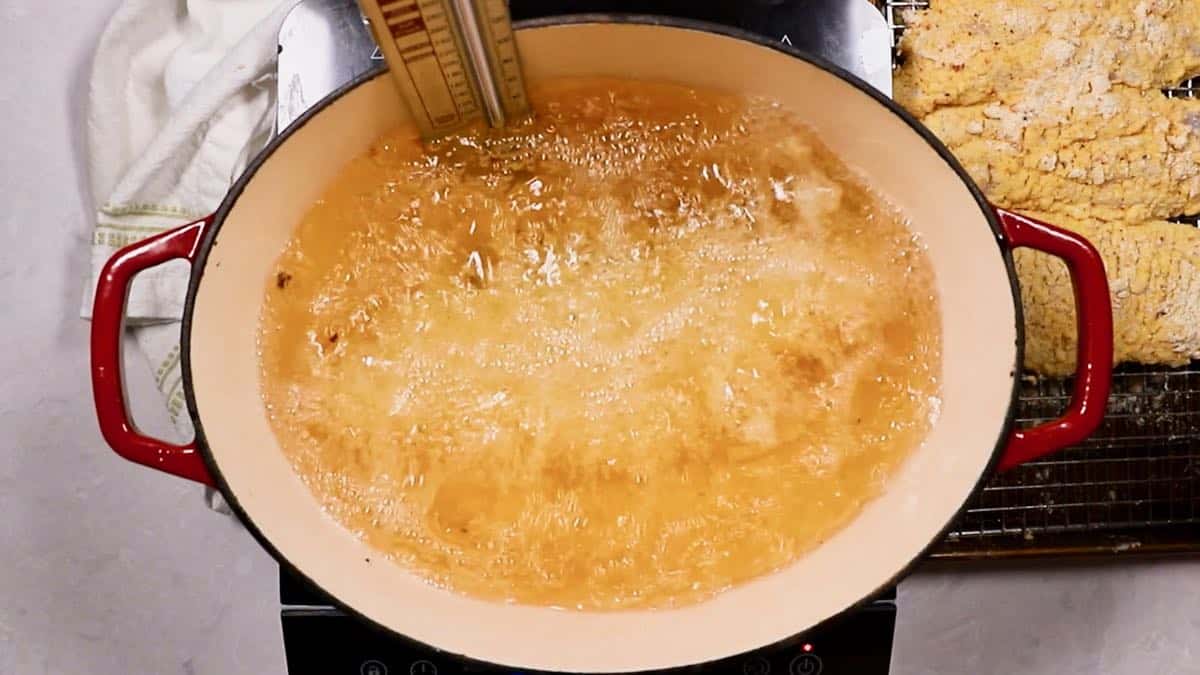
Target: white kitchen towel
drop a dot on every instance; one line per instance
(180, 99)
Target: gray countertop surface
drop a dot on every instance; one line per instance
(109, 568)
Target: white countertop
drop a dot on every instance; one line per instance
(112, 569)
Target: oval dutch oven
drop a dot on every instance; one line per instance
(969, 241)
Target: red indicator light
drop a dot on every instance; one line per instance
(807, 647)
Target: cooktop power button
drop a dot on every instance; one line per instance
(807, 664)
(422, 668)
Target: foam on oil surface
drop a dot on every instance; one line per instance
(652, 343)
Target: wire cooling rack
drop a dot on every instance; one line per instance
(1131, 488)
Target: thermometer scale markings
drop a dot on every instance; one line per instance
(505, 57)
(440, 70)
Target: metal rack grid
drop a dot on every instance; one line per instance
(1134, 486)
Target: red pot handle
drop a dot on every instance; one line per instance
(1094, 360)
(108, 385)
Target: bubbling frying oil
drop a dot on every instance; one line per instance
(647, 345)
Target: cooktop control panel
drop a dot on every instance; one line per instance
(321, 640)
(334, 644)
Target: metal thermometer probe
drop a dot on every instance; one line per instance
(454, 61)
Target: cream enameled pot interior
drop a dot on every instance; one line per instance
(979, 324)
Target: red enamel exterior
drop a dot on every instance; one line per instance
(108, 387)
(1094, 360)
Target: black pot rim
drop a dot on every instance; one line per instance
(211, 232)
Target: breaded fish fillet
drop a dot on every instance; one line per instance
(1154, 276)
(962, 52)
(1127, 167)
